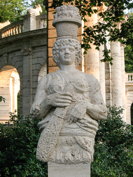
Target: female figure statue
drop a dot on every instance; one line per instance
(69, 103)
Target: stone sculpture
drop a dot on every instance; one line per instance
(68, 100)
(36, 11)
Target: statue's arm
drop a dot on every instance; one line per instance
(96, 107)
(44, 102)
(97, 111)
(40, 107)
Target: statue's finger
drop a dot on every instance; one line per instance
(67, 94)
(62, 104)
(65, 97)
(63, 101)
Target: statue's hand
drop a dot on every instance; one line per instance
(78, 112)
(59, 99)
(35, 113)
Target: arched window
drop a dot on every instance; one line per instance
(14, 89)
(132, 114)
(9, 88)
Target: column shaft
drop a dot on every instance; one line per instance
(92, 57)
(102, 72)
(116, 74)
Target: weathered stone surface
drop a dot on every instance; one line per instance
(30, 22)
(63, 170)
(67, 20)
(116, 74)
(69, 103)
(27, 52)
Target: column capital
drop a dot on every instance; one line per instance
(26, 51)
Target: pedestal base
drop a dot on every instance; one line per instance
(71, 170)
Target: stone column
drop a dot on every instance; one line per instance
(123, 81)
(27, 81)
(108, 87)
(29, 22)
(102, 72)
(92, 56)
(116, 74)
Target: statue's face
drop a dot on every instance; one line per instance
(67, 55)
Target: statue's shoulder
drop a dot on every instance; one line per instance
(45, 79)
(53, 74)
(48, 78)
(90, 77)
(92, 80)
(50, 75)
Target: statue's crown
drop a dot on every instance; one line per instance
(67, 20)
(67, 13)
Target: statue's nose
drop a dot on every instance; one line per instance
(67, 50)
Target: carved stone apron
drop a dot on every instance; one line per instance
(60, 140)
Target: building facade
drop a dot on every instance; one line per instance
(26, 56)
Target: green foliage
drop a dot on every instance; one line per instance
(107, 26)
(41, 2)
(2, 99)
(11, 10)
(126, 34)
(107, 57)
(114, 147)
(129, 58)
(18, 141)
(36, 2)
(131, 114)
(128, 26)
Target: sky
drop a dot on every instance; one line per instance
(29, 1)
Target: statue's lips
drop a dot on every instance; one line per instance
(67, 57)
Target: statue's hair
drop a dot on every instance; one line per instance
(67, 42)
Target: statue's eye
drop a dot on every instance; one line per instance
(62, 50)
(71, 49)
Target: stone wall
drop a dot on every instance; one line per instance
(27, 52)
(129, 96)
(128, 105)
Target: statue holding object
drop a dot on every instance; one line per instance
(68, 100)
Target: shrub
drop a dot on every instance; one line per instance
(114, 147)
(18, 141)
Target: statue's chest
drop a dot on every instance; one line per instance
(75, 84)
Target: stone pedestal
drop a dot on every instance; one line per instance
(64, 170)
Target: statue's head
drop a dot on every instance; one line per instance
(68, 48)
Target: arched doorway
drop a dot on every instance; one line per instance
(132, 114)
(9, 88)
